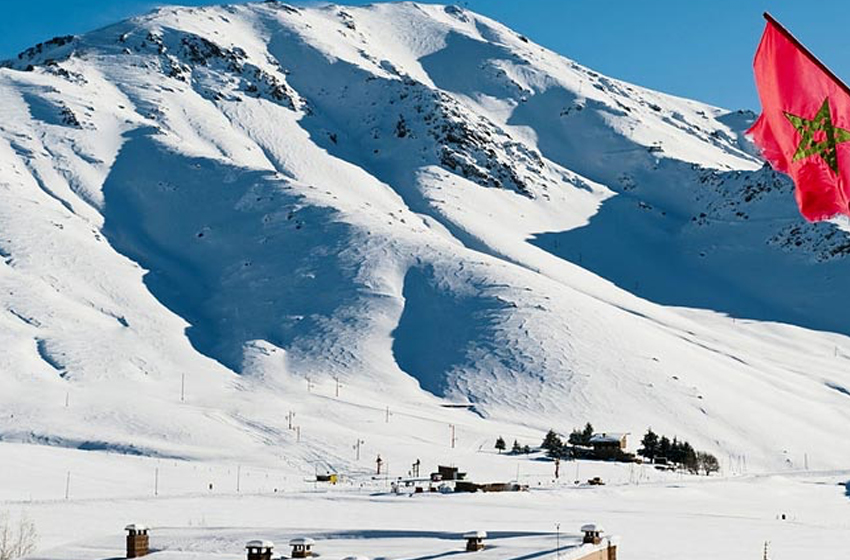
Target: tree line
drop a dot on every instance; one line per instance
(677, 451)
(655, 448)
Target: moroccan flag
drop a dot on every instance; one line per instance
(804, 128)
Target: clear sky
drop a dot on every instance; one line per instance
(700, 49)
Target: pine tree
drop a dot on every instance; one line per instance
(552, 444)
(689, 460)
(649, 445)
(587, 433)
(500, 444)
(664, 447)
(516, 449)
(676, 454)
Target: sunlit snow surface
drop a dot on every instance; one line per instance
(212, 218)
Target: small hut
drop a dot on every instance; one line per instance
(259, 550)
(592, 533)
(302, 547)
(137, 540)
(475, 540)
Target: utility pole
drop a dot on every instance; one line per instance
(67, 398)
(298, 434)
(67, 485)
(156, 481)
(558, 541)
(182, 387)
(357, 447)
(453, 439)
(289, 418)
(388, 415)
(337, 386)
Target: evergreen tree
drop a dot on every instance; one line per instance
(689, 458)
(516, 449)
(526, 449)
(664, 447)
(552, 444)
(576, 438)
(587, 433)
(552, 440)
(676, 454)
(649, 445)
(500, 444)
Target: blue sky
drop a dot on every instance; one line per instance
(698, 49)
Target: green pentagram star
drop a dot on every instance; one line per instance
(824, 146)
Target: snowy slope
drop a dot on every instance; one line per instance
(259, 203)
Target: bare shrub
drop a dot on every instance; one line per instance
(18, 538)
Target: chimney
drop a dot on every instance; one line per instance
(302, 547)
(137, 540)
(592, 533)
(475, 540)
(259, 550)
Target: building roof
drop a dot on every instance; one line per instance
(259, 544)
(606, 437)
(592, 528)
(136, 527)
(475, 535)
(305, 541)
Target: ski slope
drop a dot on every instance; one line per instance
(211, 218)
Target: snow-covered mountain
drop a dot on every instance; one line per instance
(252, 206)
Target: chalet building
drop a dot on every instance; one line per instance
(608, 445)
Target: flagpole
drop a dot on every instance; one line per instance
(770, 19)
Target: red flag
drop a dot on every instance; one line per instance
(804, 128)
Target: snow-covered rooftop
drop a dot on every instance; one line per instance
(259, 544)
(607, 437)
